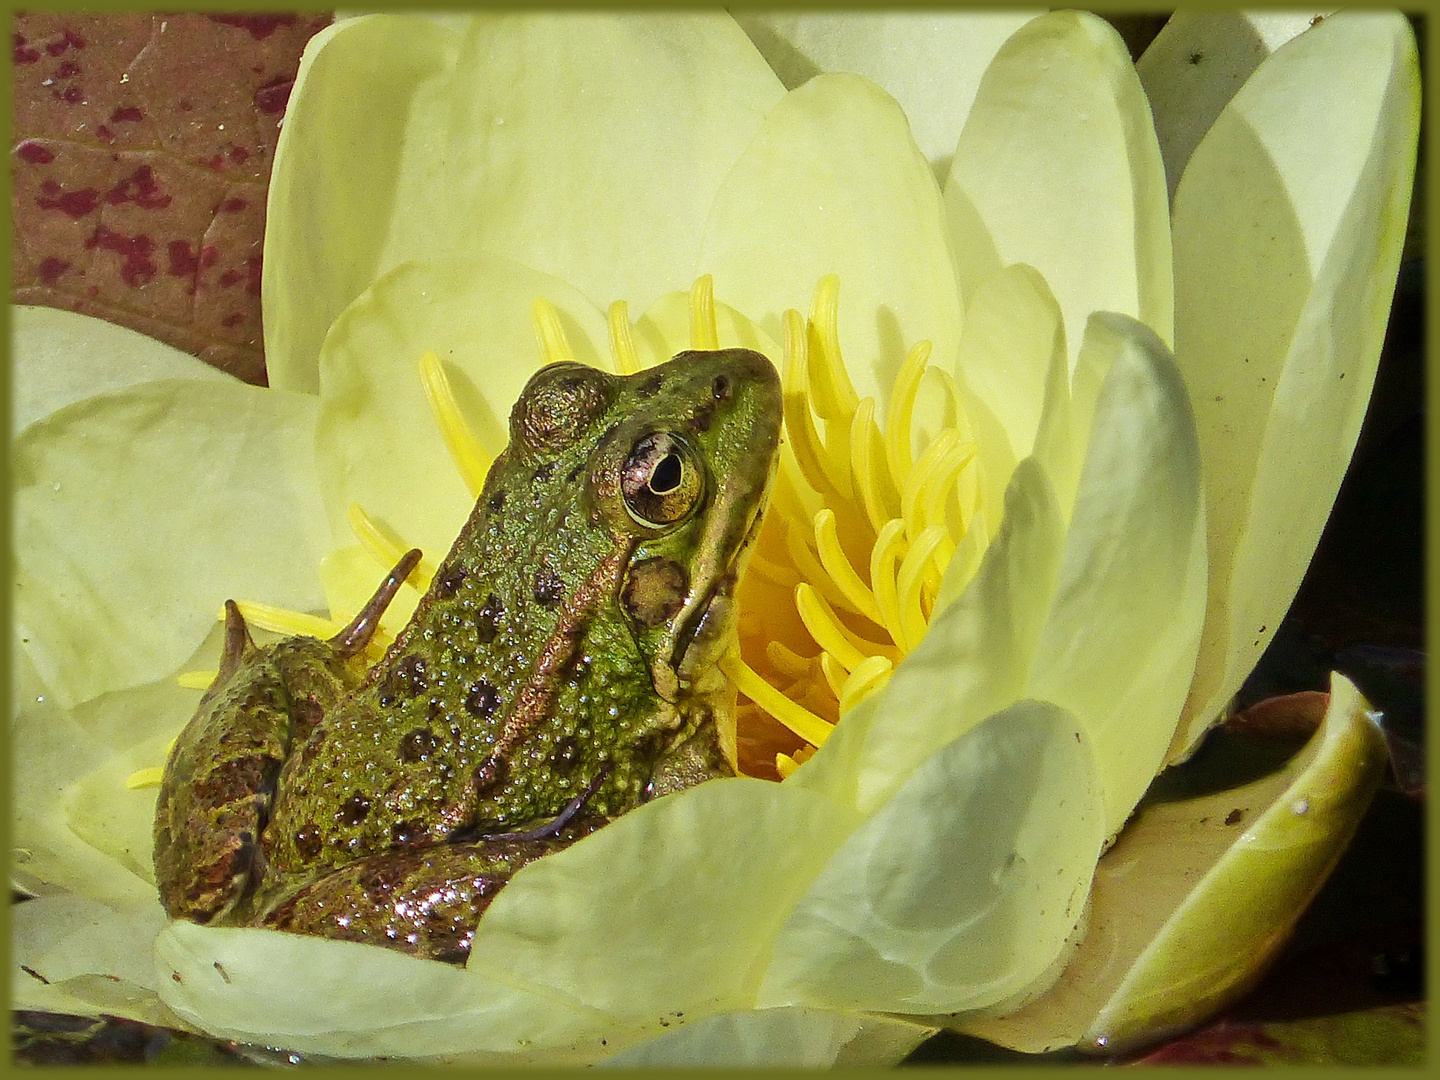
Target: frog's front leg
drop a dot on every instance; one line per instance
(219, 782)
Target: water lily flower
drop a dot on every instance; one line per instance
(1064, 420)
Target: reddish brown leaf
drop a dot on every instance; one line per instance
(142, 150)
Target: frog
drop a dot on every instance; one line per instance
(562, 668)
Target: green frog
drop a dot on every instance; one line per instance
(561, 669)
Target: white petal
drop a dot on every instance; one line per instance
(1119, 644)
(1289, 224)
(1058, 167)
(963, 888)
(930, 62)
(138, 513)
(1196, 64)
(834, 184)
(57, 358)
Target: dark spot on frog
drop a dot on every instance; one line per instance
(416, 745)
(487, 619)
(407, 832)
(449, 580)
(700, 417)
(655, 591)
(650, 387)
(482, 700)
(411, 674)
(544, 472)
(355, 809)
(1233, 818)
(490, 774)
(307, 714)
(497, 501)
(720, 388)
(549, 589)
(308, 841)
(573, 476)
(566, 756)
(236, 779)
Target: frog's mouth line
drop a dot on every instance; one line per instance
(710, 629)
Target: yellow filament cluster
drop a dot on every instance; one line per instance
(848, 564)
(845, 572)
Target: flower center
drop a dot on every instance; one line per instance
(864, 523)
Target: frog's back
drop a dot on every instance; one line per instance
(533, 667)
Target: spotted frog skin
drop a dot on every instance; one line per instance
(561, 670)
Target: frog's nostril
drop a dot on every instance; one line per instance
(720, 388)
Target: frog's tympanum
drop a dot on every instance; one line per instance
(561, 670)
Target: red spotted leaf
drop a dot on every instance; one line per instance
(142, 151)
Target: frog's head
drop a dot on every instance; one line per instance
(683, 471)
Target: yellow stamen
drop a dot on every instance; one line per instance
(830, 385)
(785, 765)
(386, 550)
(469, 456)
(284, 621)
(196, 680)
(938, 487)
(774, 573)
(835, 675)
(830, 633)
(920, 475)
(912, 573)
(801, 721)
(799, 424)
(883, 558)
(703, 333)
(549, 332)
(622, 345)
(864, 681)
(868, 468)
(808, 564)
(837, 566)
(787, 662)
(902, 405)
(145, 778)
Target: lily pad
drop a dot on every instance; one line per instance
(140, 163)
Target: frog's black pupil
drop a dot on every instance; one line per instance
(666, 477)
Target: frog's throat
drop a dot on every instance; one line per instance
(688, 663)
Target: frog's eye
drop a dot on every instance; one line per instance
(662, 481)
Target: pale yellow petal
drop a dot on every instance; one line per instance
(930, 62)
(1119, 644)
(138, 513)
(1289, 225)
(794, 1037)
(58, 358)
(1058, 167)
(963, 888)
(1199, 893)
(834, 184)
(1013, 332)
(1196, 64)
(329, 222)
